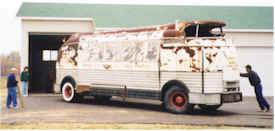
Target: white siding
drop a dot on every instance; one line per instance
(256, 49)
(50, 26)
(213, 82)
(248, 39)
(261, 60)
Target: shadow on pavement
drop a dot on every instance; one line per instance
(199, 112)
(149, 107)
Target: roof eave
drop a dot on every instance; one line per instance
(225, 29)
(56, 18)
(249, 30)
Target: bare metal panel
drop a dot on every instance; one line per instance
(216, 54)
(180, 58)
(210, 99)
(67, 56)
(213, 82)
(132, 79)
(193, 80)
(63, 72)
(118, 55)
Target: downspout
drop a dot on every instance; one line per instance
(202, 69)
(159, 64)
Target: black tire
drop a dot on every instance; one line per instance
(69, 93)
(210, 107)
(176, 100)
(102, 98)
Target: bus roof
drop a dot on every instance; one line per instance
(182, 25)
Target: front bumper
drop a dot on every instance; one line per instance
(231, 97)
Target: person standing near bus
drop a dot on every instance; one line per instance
(255, 81)
(11, 85)
(24, 81)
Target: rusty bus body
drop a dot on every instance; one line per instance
(181, 64)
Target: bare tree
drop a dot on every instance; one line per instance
(8, 61)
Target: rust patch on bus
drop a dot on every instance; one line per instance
(107, 66)
(209, 59)
(82, 88)
(171, 33)
(190, 51)
(74, 47)
(169, 48)
(180, 61)
(67, 55)
(215, 54)
(199, 48)
(194, 66)
(138, 48)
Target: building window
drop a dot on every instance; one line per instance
(54, 55)
(49, 55)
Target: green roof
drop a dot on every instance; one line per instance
(119, 15)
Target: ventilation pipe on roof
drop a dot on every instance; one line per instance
(177, 25)
(197, 28)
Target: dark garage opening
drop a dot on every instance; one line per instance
(42, 59)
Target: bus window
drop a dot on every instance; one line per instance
(205, 30)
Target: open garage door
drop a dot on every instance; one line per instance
(42, 59)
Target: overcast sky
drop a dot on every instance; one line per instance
(11, 27)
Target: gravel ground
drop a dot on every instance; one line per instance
(50, 108)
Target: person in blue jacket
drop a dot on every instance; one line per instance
(255, 81)
(11, 85)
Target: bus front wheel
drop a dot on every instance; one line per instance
(69, 94)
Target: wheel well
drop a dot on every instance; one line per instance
(67, 79)
(167, 85)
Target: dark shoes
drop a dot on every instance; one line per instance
(265, 110)
(16, 107)
(261, 111)
(269, 109)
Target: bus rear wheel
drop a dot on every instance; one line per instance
(176, 100)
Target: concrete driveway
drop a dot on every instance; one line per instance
(52, 109)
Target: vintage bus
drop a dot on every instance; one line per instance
(182, 64)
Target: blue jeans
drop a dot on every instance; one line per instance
(24, 88)
(11, 98)
(261, 100)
